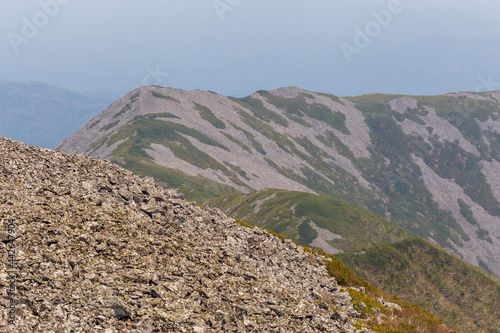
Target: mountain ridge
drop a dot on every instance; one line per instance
(333, 225)
(427, 163)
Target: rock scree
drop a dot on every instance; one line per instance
(87, 246)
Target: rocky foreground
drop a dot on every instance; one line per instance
(89, 247)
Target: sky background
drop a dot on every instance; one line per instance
(106, 48)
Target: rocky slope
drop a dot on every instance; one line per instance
(427, 163)
(89, 247)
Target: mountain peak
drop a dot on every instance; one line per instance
(288, 92)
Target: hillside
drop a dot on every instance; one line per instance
(427, 163)
(409, 268)
(415, 270)
(331, 224)
(43, 115)
(88, 246)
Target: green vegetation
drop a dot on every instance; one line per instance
(305, 232)
(310, 147)
(237, 169)
(411, 318)
(109, 126)
(408, 198)
(363, 101)
(197, 189)
(466, 212)
(209, 116)
(413, 114)
(463, 113)
(139, 136)
(258, 147)
(144, 131)
(332, 97)
(250, 137)
(483, 265)
(395, 173)
(94, 123)
(358, 296)
(484, 235)
(289, 213)
(98, 143)
(246, 225)
(281, 140)
(151, 116)
(126, 108)
(238, 142)
(299, 107)
(494, 139)
(168, 131)
(413, 269)
(169, 134)
(331, 140)
(259, 111)
(168, 98)
(452, 162)
(325, 177)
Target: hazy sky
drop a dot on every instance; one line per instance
(235, 47)
(485, 7)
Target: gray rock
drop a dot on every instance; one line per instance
(361, 305)
(392, 306)
(120, 311)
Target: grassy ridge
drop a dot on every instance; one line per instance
(413, 269)
(290, 213)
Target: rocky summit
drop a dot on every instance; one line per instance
(87, 246)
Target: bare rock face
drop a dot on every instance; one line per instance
(89, 247)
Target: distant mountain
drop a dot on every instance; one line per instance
(43, 115)
(463, 297)
(427, 163)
